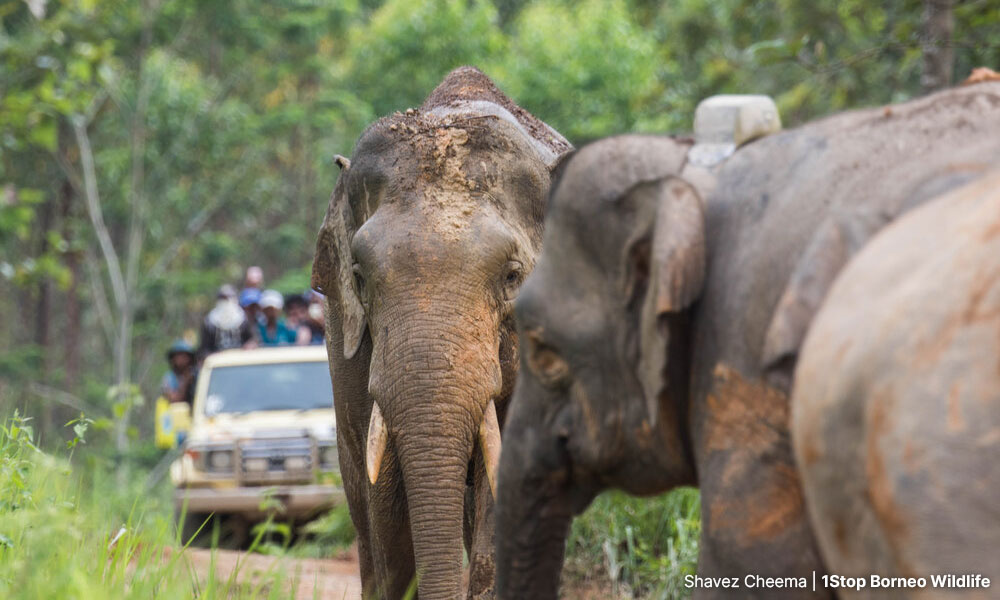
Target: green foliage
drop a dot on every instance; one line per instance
(329, 535)
(294, 281)
(397, 57)
(587, 68)
(90, 537)
(645, 545)
(213, 125)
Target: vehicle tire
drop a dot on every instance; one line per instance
(199, 530)
(190, 527)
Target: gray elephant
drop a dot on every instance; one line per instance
(661, 325)
(434, 223)
(896, 408)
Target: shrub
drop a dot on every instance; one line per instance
(645, 546)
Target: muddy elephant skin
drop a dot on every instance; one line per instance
(434, 223)
(659, 336)
(896, 409)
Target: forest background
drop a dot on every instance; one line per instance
(150, 150)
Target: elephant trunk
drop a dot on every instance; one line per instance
(432, 390)
(534, 513)
(434, 477)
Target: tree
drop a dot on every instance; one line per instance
(938, 55)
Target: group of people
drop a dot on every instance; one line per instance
(251, 318)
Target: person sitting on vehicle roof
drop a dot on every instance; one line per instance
(274, 331)
(225, 326)
(178, 383)
(254, 278)
(315, 320)
(296, 317)
(250, 302)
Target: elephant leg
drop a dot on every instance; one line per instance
(754, 520)
(482, 567)
(391, 539)
(352, 473)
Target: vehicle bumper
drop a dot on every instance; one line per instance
(297, 501)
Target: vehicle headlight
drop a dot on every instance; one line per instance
(296, 463)
(220, 460)
(255, 465)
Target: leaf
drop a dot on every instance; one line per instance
(45, 134)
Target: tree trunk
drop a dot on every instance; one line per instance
(43, 314)
(71, 341)
(938, 54)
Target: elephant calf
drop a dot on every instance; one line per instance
(896, 409)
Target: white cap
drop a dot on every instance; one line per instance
(271, 298)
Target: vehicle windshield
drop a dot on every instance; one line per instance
(277, 386)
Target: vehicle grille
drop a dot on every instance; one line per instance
(276, 460)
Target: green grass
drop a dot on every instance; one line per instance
(60, 514)
(645, 546)
(73, 530)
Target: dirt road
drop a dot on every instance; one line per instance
(325, 579)
(333, 578)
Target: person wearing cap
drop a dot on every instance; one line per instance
(250, 303)
(178, 382)
(225, 326)
(273, 331)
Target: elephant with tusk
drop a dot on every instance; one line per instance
(435, 221)
(662, 323)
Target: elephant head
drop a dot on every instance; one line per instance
(601, 398)
(434, 223)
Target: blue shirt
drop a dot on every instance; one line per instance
(281, 336)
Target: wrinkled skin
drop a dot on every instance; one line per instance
(896, 409)
(434, 223)
(658, 343)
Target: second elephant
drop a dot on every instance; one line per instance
(661, 325)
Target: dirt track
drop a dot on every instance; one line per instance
(330, 578)
(327, 578)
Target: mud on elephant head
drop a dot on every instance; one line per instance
(434, 223)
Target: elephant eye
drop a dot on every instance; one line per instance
(359, 280)
(513, 277)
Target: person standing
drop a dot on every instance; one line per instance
(274, 331)
(297, 317)
(178, 383)
(225, 326)
(250, 303)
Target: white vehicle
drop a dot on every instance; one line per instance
(262, 441)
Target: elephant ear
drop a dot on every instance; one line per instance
(678, 246)
(674, 259)
(333, 269)
(835, 241)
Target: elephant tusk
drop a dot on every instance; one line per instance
(377, 437)
(489, 441)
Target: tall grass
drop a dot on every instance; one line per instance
(645, 546)
(73, 532)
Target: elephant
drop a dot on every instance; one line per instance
(433, 224)
(896, 402)
(661, 325)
